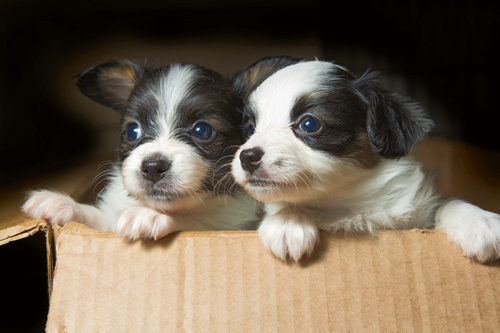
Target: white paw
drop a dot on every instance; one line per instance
(55, 208)
(474, 230)
(288, 236)
(143, 222)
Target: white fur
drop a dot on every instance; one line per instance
(172, 90)
(289, 235)
(278, 93)
(309, 190)
(59, 209)
(475, 231)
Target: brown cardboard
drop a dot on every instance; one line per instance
(411, 280)
(226, 281)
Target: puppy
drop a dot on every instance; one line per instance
(330, 151)
(178, 133)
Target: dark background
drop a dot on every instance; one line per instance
(445, 49)
(442, 54)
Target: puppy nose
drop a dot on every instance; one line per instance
(155, 169)
(250, 158)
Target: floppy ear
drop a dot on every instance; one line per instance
(111, 83)
(250, 78)
(395, 123)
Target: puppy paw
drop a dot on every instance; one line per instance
(143, 222)
(474, 230)
(288, 236)
(55, 208)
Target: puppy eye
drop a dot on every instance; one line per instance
(251, 131)
(310, 125)
(202, 131)
(133, 132)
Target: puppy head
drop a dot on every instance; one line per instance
(313, 128)
(179, 129)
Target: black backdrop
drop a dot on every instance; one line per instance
(449, 47)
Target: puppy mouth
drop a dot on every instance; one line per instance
(262, 182)
(162, 196)
(267, 183)
(160, 193)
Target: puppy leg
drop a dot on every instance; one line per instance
(475, 230)
(288, 235)
(143, 222)
(58, 209)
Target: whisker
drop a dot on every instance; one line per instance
(201, 200)
(214, 174)
(100, 192)
(233, 146)
(227, 156)
(298, 192)
(225, 177)
(105, 163)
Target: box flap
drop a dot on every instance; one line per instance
(18, 229)
(226, 281)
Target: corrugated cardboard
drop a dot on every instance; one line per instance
(225, 281)
(411, 280)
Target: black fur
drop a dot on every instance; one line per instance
(338, 110)
(111, 83)
(395, 123)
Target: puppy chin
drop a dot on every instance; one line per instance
(174, 202)
(269, 193)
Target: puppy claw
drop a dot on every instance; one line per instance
(288, 237)
(143, 222)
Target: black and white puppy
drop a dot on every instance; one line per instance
(330, 151)
(179, 132)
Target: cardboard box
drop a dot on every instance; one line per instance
(406, 280)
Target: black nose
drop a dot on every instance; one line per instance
(250, 158)
(155, 169)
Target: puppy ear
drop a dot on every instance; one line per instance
(111, 83)
(250, 78)
(395, 123)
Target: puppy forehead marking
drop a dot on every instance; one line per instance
(174, 87)
(275, 97)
